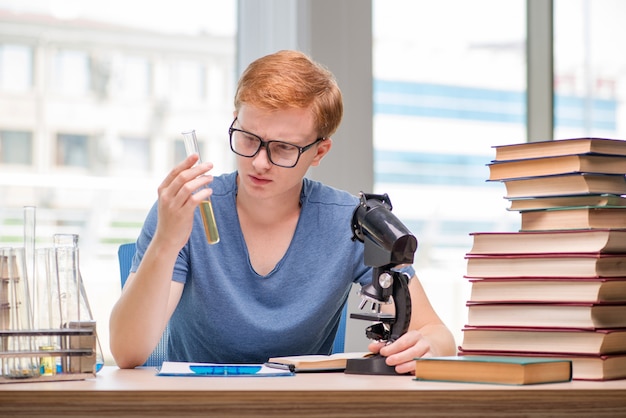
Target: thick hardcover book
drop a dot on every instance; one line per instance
(566, 184)
(565, 241)
(303, 363)
(573, 218)
(583, 367)
(552, 315)
(581, 200)
(545, 340)
(546, 265)
(493, 369)
(560, 147)
(541, 289)
(564, 164)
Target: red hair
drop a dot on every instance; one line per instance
(290, 79)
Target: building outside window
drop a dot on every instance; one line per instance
(93, 102)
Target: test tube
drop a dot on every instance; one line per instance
(206, 209)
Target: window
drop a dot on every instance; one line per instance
(134, 155)
(588, 72)
(71, 72)
(189, 81)
(442, 98)
(134, 78)
(16, 147)
(117, 86)
(16, 68)
(72, 151)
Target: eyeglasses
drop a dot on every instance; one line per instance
(282, 154)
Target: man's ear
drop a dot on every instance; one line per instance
(322, 149)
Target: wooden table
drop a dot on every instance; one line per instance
(126, 393)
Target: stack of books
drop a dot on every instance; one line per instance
(557, 287)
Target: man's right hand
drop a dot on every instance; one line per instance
(179, 194)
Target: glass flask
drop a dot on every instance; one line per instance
(73, 301)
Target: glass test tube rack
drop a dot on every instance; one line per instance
(74, 359)
(47, 331)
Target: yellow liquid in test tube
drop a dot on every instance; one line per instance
(206, 209)
(210, 226)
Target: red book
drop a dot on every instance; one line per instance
(573, 218)
(537, 242)
(561, 164)
(564, 341)
(538, 149)
(546, 265)
(543, 289)
(552, 315)
(565, 184)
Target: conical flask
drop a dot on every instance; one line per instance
(74, 304)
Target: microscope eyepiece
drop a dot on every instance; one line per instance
(387, 241)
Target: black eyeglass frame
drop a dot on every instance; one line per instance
(265, 144)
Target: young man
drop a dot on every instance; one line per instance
(276, 282)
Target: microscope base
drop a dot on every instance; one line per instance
(371, 365)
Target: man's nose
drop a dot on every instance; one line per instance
(261, 159)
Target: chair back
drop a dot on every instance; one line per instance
(125, 254)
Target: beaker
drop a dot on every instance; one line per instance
(206, 208)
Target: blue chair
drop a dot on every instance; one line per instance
(125, 255)
(340, 337)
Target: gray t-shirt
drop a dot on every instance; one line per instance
(230, 314)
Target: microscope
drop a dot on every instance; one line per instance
(388, 245)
